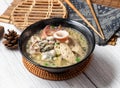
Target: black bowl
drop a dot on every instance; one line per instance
(32, 29)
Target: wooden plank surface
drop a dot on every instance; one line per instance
(104, 70)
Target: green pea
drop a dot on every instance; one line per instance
(78, 59)
(46, 64)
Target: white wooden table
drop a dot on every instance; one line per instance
(103, 72)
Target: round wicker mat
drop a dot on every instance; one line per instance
(56, 76)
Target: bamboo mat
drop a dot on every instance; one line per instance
(22, 13)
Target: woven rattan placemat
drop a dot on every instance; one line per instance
(56, 76)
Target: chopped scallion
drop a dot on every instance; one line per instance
(56, 44)
(78, 59)
(46, 64)
(52, 27)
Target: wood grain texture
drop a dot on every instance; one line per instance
(104, 70)
(110, 3)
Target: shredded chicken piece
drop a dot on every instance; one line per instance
(67, 53)
(75, 47)
(34, 46)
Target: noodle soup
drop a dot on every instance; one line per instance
(57, 46)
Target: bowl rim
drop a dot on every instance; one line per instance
(67, 20)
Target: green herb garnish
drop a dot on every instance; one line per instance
(52, 27)
(46, 64)
(78, 59)
(53, 64)
(56, 44)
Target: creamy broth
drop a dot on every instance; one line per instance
(48, 49)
